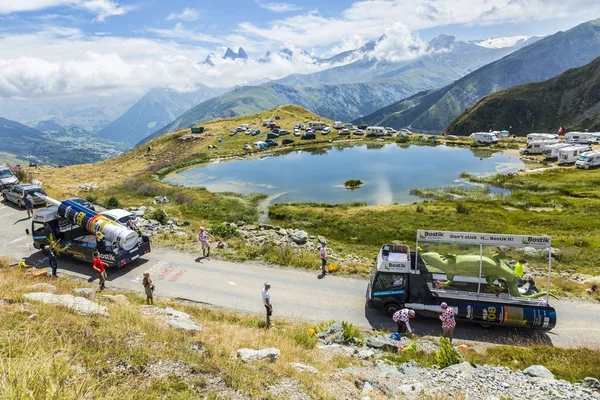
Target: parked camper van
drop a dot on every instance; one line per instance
(538, 137)
(537, 147)
(338, 125)
(485, 137)
(579, 137)
(317, 126)
(551, 151)
(568, 155)
(376, 131)
(588, 160)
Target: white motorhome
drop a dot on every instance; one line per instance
(376, 131)
(568, 155)
(588, 160)
(551, 151)
(579, 137)
(537, 147)
(317, 125)
(485, 137)
(338, 125)
(538, 137)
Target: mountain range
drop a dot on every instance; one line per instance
(571, 100)
(433, 110)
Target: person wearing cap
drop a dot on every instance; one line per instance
(266, 297)
(323, 254)
(203, 238)
(99, 267)
(99, 241)
(148, 288)
(448, 321)
(402, 318)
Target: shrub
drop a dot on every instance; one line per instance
(462, 209)
(4, 262)
(402, 139)
(420, 208)
(160, 215)
(22, 175)
(446, 355)
(352, 334)
(224, 231)
(353, 183)
(157, 166)
(306, 339)
(181, 198)
(150, 189)
(112, 202)
(91, 198)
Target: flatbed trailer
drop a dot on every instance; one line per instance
(402, 279)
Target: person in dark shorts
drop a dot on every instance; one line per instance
(29, 204)
(266, 297)
(323, 254)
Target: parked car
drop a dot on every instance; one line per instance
(247, 147)
(273, 125)
(422, 137)
(255, 132)
(296, 132)
(309, 136)
(283, 132)
(326, 130)
(16, 194)
(120, 216)
(406, 131)
(302, 127)
(433, 137)
(240, 129)
(233, 133)
(390, 129)
(359, 132)
(452, 137)
(362, 127)
(297, 126)
(271, 143)
(287, 141)
(84, 203)
(272, 135)
(7, 178)
(275, 130)
(344, 131)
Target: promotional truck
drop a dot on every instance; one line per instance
(82, 231)
(468, 272)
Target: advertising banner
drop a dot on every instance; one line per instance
(540, 242)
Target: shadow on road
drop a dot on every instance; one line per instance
(431, 326)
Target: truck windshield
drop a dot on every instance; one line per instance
(584, 159)
(389, 281)
(5, 173)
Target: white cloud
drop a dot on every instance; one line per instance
(188, 14)
(101, 8)
(179, 31)
(399, 44)
(278, 7)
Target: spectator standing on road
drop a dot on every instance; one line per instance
(29, 204)
(266, 297)
(148, 288)
(323, 253)
(99, 267)
(203, 238)
(51, 254)
(402, 318)
(448, 321)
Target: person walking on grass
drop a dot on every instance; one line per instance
(29, 204)
(448, 321)
(99, 267)
(402, 318)
(323, 254)
(148, 288)
(203, 238)
(266, 297)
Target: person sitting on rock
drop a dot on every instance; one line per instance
(402, 318)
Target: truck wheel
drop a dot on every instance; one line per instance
(391, 308)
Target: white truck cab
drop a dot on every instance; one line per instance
(588, 160)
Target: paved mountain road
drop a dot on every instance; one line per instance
(295, 293)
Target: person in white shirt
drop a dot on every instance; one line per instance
(266, 297)
(323, 253)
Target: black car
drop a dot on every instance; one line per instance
(309, 136)
(275, 130)
(287, 141)
(272, 135)
(271, 142)
(84, 203)
(363, 127)
(255, 132)
(283, 132)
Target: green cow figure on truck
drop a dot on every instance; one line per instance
(492, 268)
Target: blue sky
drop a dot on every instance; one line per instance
(66, 46)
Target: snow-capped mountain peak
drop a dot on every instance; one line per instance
(501, 42)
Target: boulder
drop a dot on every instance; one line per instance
(538, 371)
(529, 251)
(88, 293)
(299, 237)
(386, 369)
(412, 390)
(117, 298)
(304, 368)
(365, 354)
(241, 223)
(81, 305)
(42, 287)
(172, 318)
(382, 343)
(266, 227)
(251, 227)
(334, 333)
(249, 355)
(591, 383)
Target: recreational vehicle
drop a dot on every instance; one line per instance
(551, 151)
(537, 147)
(376, 131)
(538, 137)
(579, 137)
(338, 125)
(588, 160)
(485, 137)
(568, 155)
(318, 125)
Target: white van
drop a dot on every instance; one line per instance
(485, 137)
(338, 125)
(579, 137)
(537, 147)
(551, 151)
(538, 137)
(568, 155)
(317, 126)
(376, 131)
(588, 160)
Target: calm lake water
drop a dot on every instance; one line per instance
(388, 172)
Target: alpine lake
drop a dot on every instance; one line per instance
(388, 172)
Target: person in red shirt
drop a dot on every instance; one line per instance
(98, 266)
